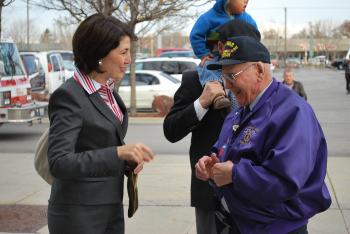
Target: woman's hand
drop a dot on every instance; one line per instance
(135, 154)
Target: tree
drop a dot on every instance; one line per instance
(46, 37)
(324, 32)
(64, 33)
(3, 3)
(344, 28)
(16, 32)
(275, 38)
(304, 33)
(143, 13)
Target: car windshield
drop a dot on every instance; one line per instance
(69, 65)
(30, 63)
(169, 77)
(67, 56)
(177, 54)
(10, 60)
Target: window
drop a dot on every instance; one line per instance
(169, 77)
(125, 80)
(30, 63)
(55, 63)
(146, 79)
(154, 65)
(138, 66)
(141, 79)
(9, 60)
(184, 66)
(170, 67)
(67, 56)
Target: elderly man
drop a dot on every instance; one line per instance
(269, 164)
(297, 86)
(193, 113)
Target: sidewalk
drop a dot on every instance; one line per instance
(164, 195)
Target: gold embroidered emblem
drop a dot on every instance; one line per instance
(230, 47)
(248, 133)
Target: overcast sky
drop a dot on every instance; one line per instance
(267, 13)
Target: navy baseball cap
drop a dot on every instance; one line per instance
(235, 28)
(232, 28)
(241, 50)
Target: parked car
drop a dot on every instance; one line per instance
(293, 62)
(319, 60)
(172, 54)
(68, 62)
(53, 66)
(339, 63)
(148, 85)
(162, 50)
(171, 66)
(34, 70)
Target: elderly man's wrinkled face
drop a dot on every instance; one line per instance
(242, 80)
(288, 78)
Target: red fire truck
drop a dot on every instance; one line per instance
(16, 104)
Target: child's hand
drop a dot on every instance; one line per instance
(204, 59)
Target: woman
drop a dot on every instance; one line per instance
(88, 122)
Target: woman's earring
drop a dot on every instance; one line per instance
(100, 62)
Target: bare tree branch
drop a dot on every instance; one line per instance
(147, 14)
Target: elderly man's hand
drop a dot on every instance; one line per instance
(222, 173)
(210, 92)
(204, 167)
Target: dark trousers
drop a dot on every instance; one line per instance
(86, 219)
(205, 221)
(226, 225)
(347, 78)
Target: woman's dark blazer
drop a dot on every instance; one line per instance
(82, 153)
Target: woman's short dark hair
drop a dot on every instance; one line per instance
(95, 37)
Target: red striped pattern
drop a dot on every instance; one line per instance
(106, 91)
(13, 82)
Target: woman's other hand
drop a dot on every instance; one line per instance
(135, 154)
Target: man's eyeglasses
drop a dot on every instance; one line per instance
(233, 76)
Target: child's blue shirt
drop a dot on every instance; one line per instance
(209, 22)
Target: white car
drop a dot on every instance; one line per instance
(68, 62)
(148, 85)
(173, 66)
(52, 64)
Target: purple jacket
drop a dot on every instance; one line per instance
(280, 159)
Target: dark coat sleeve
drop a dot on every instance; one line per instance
(299, 88)
(182, 118)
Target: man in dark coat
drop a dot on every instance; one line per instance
(297, 86)
(347, 75)
(192, 112)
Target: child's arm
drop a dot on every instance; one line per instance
(198, 37)
(204, 59)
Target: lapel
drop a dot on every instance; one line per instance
(101, 106)
(122, 107)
